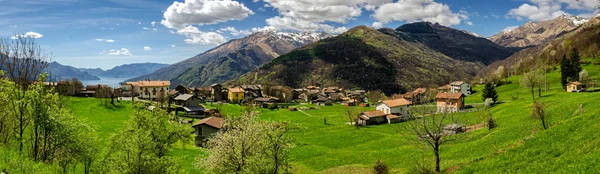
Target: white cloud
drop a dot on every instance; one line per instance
(147, 48)
(540, 10)
(121, 52)
(510, 28)
(139, 23)
(234, 32)
(195, 36)
(264, 29)
(106, 40)
(301, 25)
(419, 10)
(153, 23)
(469, 23)
(13, 26)
(377, 25)
(145, 28)
(201, 12)
(172, 46)
(30, 34)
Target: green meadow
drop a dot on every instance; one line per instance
(325, 143)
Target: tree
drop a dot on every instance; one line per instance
(575, 65)
(489, 92)
(584, 77)
(532, 80)
(430, 130)
(247, 145)
(144, 144)
(565, 66)
(22, 61)
(352, 114)
(76, 85)
(538, 111)
(375, 96)
(162, 98)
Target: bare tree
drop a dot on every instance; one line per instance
(375, 96)
(538, 111)
(532, 80)
(23, 61)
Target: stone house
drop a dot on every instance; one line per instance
(147, 89)
(460, 86)
(376, 117)
(217, 92)
(207, 128)
(449, 102)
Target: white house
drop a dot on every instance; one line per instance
(394, 107)
(460, 86)
(148, 89)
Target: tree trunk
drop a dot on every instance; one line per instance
(35, 144)
(543, 123)
(533, 92)
(436, 150)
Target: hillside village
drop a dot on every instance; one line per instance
(286, 86)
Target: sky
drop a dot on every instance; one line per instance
(107, 33)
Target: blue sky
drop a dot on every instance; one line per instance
(107, 33)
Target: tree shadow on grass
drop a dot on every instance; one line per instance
(111, 107)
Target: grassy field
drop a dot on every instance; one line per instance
(327, 144)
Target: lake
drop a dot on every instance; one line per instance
(112, 82)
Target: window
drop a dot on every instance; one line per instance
(154, 91)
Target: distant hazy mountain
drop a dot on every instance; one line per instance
(233, 59)
(92, 71)
(62, 72)
(536, 33)
(393, 61)
(126, 71)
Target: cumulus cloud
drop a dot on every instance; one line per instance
(121, 52)
(172, 46)
(145, 28)
(201, 12)
(195, 36)
(139, 23)
(303, 15)
(234, 32)
(377, 25)
(106, 40)
(153, 23)
(419, 10)
(30, 34)
(147, 48)
(540, 10)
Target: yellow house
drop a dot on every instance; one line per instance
(235, 94)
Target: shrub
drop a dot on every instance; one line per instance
(381, 168)
(491, 123)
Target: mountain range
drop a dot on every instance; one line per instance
(536, 33)
(58, 72)
(233, 59)
(126, 71)
(413, 55)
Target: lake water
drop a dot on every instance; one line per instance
(112, 82)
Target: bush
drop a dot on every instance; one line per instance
(381, 168)
(489, 102)
(422, 169)
(491, 123)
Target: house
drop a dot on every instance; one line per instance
(323, 101)
(460, 86)
(182, 89)
(235, 94)
(265, 102)
(397, 107)
(207, 128)
(217, 92)
(452, 129)
(576, 87)
(90, 90)
(186, 100)
(377, 117)
(252, 91)
(449, 102)
(445, 88)
(331, 90)
(147, 89)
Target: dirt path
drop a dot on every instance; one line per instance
(305, 113)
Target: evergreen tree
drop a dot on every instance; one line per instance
(490, 92)
(564, 70)
(575, 65)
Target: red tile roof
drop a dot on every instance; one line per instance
(396, 102)
(236, 90)
(216, 122)
(372, 114)
(446, 95)
(150, 83)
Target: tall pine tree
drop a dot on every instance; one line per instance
(575, 65)
(489, 92)
(564, 70)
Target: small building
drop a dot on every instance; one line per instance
(395, 107)
(576, 87)
(265, 102)
(460, 86)
(445, 88)
(452, 129)
(323, 101)
(217, 92)
(182, 89)
(377, 117)
(235, 94)
(207, 128)
(186, 100)
(449, 102)
(147, 89)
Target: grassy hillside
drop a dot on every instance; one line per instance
(364, 58)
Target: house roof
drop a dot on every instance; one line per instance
(396, 102)
(216, 122)
(322, 99)
(193, 108)
(408, 95)
(264, 99)
(183, 97)
(236, 90)
(575, 83)
(420, 90)
(216, 84)
(393, 116)
(444, 87)
(373, 114)
(457, 83)
(446, 95)
(173, 92)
